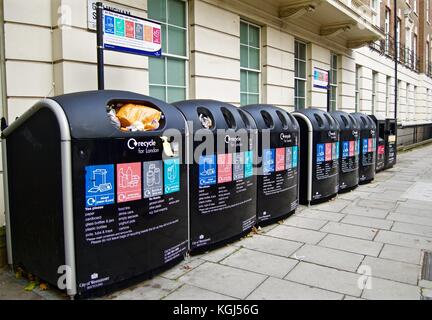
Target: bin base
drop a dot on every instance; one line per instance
(99, 292)
(313, 202)
(218, 244)
(365, 181)
(348, 189)
(275, 219)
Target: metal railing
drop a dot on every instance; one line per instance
(405, 56)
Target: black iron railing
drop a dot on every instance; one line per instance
(406, 56)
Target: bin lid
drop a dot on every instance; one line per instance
(213, 115)
(319, 119)
(268, 116)
(366, 122)
(345, 120)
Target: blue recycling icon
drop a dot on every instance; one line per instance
(207, 170)
(320, 152)
(99, 185)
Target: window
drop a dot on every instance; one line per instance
(333, 81)
(300, 75)
(357, 88)
(387, 29)
(388, 88)
(250, 63)
(374, 90)
(167, 75)
(399, 84)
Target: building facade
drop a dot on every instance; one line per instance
(237, 51)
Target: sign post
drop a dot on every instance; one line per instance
(125, 33)
(100, 45)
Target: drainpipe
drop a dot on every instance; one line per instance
(395, 63)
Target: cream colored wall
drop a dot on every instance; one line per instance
(215, 53)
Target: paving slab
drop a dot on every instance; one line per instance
(223, 279)
(306, 223)
(276, 246)
(365, 211)
(391, 290)
(153, 289)
(349, 230)
(426, 221)
(218, 254)
(393, 270)
(187, 292)
(353, 245)
(378, 204)
(368, 222)
(296, 234)
(321, 215)
(277, 289)
(260, 262)
(182, 268)
(326, 278)
(403, 254)
(404, 239)
(418, 229)
(335, 205)
(329, 257)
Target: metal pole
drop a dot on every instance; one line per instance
(396, 57)
(100, 46)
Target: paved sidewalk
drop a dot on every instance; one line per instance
(374, 236)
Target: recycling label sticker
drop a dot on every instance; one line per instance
(224, 168)
(289, 158)
(99, 185)
(171, 175)
(207, 170)
(238, 160)
(153, 179)
(365, 146)
(320, 153)
(294, 156)
(269, 161)
(248, 164)
(346, 149)
(128, 182)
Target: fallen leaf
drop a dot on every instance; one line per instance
(43, 286)
(30, 286)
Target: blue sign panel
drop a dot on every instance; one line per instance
(207, 170)
(294, 156)
(109, 25)
(365, 146)
(269, 161)
(171, 175)
(320, 153)
(248, 164)
(337, 150)
(99, 185)
(345, 149)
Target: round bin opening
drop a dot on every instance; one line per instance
(135, 116)
(245, 119)
(282, 119)
(206, 118)
(267, 119)
(319, 120)
(229, 118)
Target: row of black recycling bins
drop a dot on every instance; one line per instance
(97, 207)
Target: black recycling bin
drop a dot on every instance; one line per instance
(319, 155)
(391, 143)
(367, 147)
(222, 184)
(103, 206)
(348, 151)
(380, 124)
(277, 166)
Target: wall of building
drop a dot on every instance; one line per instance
(49, 51)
